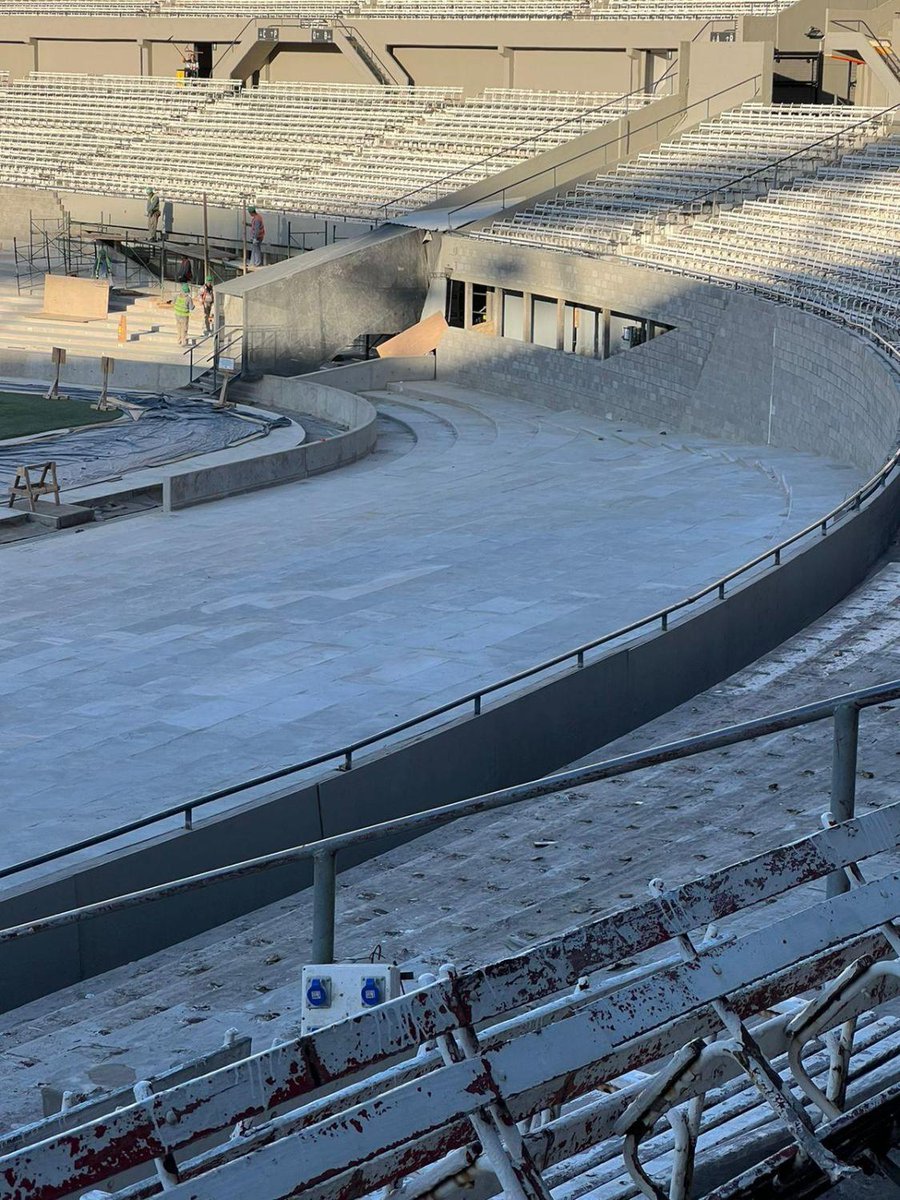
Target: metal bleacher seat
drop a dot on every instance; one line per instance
(538, 1074)
(52, 123)
(827, 242)
(339, 150)
(738, 155)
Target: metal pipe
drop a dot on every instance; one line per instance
(324, 885)
(205, 240)
(244, 232)
(843, 780)
(432, 818)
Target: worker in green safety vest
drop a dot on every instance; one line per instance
(183, 307)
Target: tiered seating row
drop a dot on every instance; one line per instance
(451, 148)
(330, 149)
(688, 10)
(736, 156)
(51, 122)
(829, 242)
(325, 10)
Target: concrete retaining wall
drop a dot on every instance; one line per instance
(132, 374)
(374, 373)
(733, 367)
(303, 311)
(326, 394)
(355, 414)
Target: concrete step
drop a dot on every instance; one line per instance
(56, 516)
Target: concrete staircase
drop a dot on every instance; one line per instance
(150, 324)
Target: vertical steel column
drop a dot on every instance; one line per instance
(843, 780)
(323, 907)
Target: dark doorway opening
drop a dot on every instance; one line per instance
(204, 52)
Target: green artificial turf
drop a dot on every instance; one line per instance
(24, 413)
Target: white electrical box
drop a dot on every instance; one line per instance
(334, 991)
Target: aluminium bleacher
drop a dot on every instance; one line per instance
(342, 150)
(739, 154)
(542, 1071)
(829, 242)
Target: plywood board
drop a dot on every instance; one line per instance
(419, 339)
(67, 298)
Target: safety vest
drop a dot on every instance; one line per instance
(183, 304)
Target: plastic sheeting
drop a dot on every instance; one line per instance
(170, 427)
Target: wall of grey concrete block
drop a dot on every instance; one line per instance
(19, 205)
(731, 365)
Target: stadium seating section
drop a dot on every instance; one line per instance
(339, 149)
(823, 236)
(311, 11)
(737, 156)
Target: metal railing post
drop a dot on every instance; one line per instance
(323, 907)
(843, 780)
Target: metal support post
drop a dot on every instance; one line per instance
(205, 239)
(323, 907)
(843, 780)
(244, 235)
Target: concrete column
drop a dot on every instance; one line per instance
(35, 57)
(509, 54)
(467, 305)
(605, 319)
(527, 317)
(560, 324)
(492, 309)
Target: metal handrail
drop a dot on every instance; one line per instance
(478, 162)
(501, 191)
(352, 33)
(863, 26)
(844, 709)
(661, 617)
(774, 164)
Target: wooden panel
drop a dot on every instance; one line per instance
(418, 339)
(72, 299)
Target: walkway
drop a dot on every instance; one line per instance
(156, 658)
(490, 885)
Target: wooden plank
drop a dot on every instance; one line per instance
(68, 298)
(419, 339)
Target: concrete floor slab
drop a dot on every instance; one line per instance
(179, 653)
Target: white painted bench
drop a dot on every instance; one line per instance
(482, 1065)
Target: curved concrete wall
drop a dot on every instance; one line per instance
(355, 414)
(733, 366)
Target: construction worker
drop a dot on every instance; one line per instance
(257, 236)
(153, 210)
(183, 307)
(207, 300)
